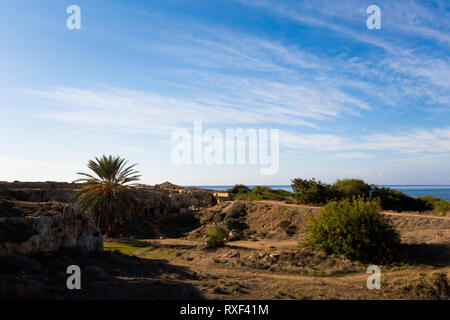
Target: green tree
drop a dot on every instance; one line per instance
(311, 191)
(108, 197)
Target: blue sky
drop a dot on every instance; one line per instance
(348, 101)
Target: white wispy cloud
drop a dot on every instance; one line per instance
(351, 155)
(415, 141)
(231, 78)
(235, 101)
(412, 69)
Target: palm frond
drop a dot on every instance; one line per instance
(106, 196)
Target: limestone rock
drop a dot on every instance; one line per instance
(68, 229)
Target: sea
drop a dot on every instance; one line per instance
(439, 191)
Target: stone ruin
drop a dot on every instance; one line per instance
(161, 199)
(41, 216)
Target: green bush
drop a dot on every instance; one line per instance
(234, 217)
(237, 189)
(262, 193)
(391, 199)
(349, 188)
(438, 205)
(237, 210)
(311, 191)
(216, 237)
(218, 217)
(442, 207)
(355, 228)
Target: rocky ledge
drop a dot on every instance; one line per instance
(43, 227)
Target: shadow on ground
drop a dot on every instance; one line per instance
(105, 275)
(173, 226)
(436, 255)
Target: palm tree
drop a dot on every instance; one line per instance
(107, 197)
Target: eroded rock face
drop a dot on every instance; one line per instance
(69, 228)
(167, 199)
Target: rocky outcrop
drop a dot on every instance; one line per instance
(158, 200)
(41, 191)
(64, 227)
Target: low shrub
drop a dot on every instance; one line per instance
(237, 210)
(234, 218)
(291, 230)
(438, 205)
(284, 224)
(216, 237)
(218, 217)
(355, 228)
(236, 225)
(441, 207)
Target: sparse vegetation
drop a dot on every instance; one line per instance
(125, 247)
(355, 228)
(216, 237)
(432, 287)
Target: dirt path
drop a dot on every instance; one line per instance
(426, 216)
(281, 203)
